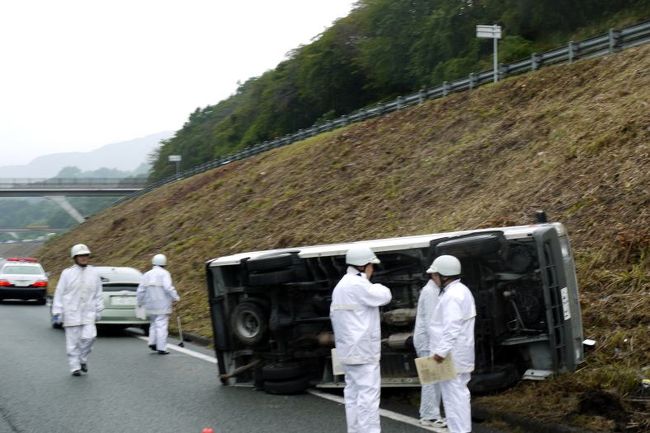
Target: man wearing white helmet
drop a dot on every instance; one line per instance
(78, 298)
(356, 323)
(430, 396)
(156, 293)
(451, 332)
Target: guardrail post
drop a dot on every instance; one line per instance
(422, 95)
(503, 70)
(344, 119)
(614, 40)
(399, 102)
(472, 80)
(535, 61)
(573, 51)
(445, 88)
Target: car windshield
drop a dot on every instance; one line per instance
(23, 270)
(119, 287)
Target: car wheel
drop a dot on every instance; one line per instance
(145, 329)
(249, 322)
(280, 372)
(501, 377)
(42, 301)
(294, 386)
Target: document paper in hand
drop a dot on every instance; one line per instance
(430, 371)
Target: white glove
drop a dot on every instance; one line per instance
(98, 317)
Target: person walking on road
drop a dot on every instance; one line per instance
(78, 304)
(452, 333)
(356, 323)
(156, 294)
(430, 397)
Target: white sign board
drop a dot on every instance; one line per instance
(488, 31)
(174, 158)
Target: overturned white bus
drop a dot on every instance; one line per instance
(270, 309)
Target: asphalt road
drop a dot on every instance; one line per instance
(131, 389)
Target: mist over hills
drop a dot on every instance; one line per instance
(125, 156)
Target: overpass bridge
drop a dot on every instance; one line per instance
(73, 187)
(58, 189)
(31, 229)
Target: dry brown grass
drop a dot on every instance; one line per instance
(573, 140)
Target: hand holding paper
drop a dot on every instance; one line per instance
(430, 370)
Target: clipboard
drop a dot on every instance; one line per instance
(430, 371)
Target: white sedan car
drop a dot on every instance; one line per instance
(119, 284)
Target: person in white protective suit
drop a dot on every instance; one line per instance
(451, 333)
(430, 395)
(156, 294)
(78, 304)
(356, 323)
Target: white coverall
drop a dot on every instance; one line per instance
(452, 332)
(156, 294)
(78, 297)
(427, 302)
(356, 323)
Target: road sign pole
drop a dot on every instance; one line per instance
(177, 159)
(496, 61)
(491, 32)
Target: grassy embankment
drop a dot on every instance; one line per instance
(573, 140)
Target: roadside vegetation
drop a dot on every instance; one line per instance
(573, 140)
(381, 50)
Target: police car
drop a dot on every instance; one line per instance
(23, 278)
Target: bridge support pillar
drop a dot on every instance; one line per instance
(65, 204)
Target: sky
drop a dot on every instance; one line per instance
(78, 74)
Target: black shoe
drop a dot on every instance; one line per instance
(84, 368)
(163, 352)
(152, 347)
(76, 373)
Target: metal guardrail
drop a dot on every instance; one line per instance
(63, 183)
(610, 42)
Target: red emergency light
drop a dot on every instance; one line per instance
(22, 259)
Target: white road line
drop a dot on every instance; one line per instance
(335, 398)
(188, 352)
(383, 412)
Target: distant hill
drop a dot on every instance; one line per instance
(573, 140)
(125, 155)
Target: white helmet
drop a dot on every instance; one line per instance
(445, 265)
(79, 250)
(359, 255)
(159, 260)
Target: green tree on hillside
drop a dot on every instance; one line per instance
(382, 49)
